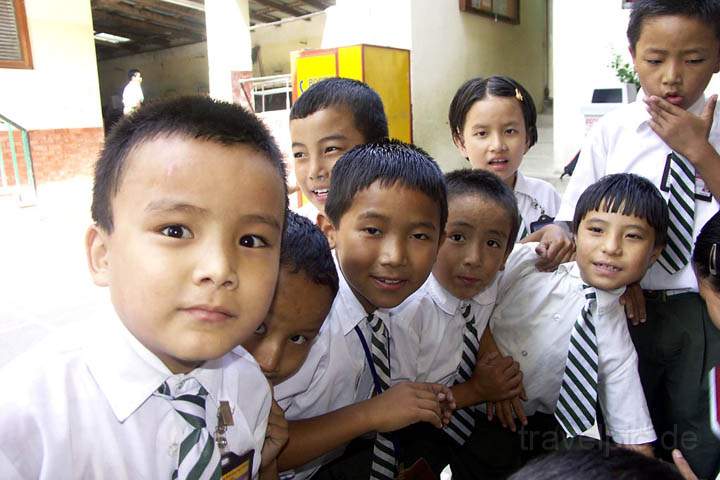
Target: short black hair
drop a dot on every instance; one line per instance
(479, 88)
(487, 186)
(193, 117)
(364, 103)
(390, 162)
(305, 249)
(707, 11)
(627, 194)
(706, 255)
(606, 463)
(132, 72)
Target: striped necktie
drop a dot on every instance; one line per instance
(462, 422)
(522, 231)
(681, 210)
(198, 457)
(383, 465)
(576, 406)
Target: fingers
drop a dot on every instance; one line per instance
(709, 111)
(490, 410)
(683, 466)
(519, 410)
(505, 415)
(662, 107)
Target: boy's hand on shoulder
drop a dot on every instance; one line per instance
(276, 436)
(409, 402)
(683, 131)
(634, 302)
(555, 246)
(496, 377)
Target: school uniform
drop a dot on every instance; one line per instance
(679, 344)
(535, 198)
(87, 405)
(441, 322)
(533, 320)
(337, 373)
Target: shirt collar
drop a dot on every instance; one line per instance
(348, 308)
(521, 184)
(127, 372)
(449, 303)
(640, 117)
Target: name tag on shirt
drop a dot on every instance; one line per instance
(701, 191)
(237, 467)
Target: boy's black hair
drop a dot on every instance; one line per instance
(627, 194)
(305, 249)
(487, 186)
(364, 103)
(707, 11)
(194, 117)
(390, 162)
(602, 462)
(479, 88)
(132, 72)
(706, 254)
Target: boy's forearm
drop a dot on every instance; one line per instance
(707, 162)
(313, 437)
(466, 395)
(487, 342)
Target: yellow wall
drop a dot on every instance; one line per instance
(449, 47)
(61, 91)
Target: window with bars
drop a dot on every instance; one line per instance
(14, 40)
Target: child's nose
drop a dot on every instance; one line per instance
(673, 73)
(216, 266)
(318, 170)
(612, 245)
(394, 252)
(268, 356)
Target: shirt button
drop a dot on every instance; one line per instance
(172, 450)
(556, 317)
(524, 353)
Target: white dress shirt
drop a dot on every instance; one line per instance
(82, 407)
(443, 327)
(132, 97)
(535, 197)
(532, 321)
(336, 373)
(623, 142)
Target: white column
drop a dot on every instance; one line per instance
(228, 44)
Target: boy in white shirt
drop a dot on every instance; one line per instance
(385, 215)
(458, 298)
(568, 330)
(671, 137)
(157, 389)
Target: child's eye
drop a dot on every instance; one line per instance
(457, 237)
(298, 339)
(299, 155)
(511, 131)
(420, 236)
(480, 133)
(494, 244)
(595, 229)
(177, 231)
(635, 236)
(372, 231)
(252, 241)
(261, 329)
(331, 149)
(695, 61)
(653, 61)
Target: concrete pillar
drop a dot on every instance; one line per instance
(229, 48)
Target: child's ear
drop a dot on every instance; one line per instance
(459, 142)
(97, 251)
(327, 228)
(657, 250)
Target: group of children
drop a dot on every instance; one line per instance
(471, 319)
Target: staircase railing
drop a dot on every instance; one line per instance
(24, 186)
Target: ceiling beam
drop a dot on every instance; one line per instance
(320, 5)
(262, 18)
(137, 13)
(281, 7)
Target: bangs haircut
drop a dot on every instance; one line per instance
(706, 254)
(362, 101)
(194, 118)
(480, 88)
(487, 186)
(707, 11)
(627, 194)
(390, 162)
(305, 249)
